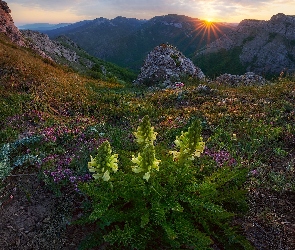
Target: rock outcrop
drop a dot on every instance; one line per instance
(248, 79)
(267, 46)
(7, 25)
(164, 65)
(56, 50)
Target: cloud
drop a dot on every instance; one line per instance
(47, 5)
(215, 9)
(130, 5)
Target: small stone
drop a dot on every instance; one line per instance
(46, 220)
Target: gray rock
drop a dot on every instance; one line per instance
(54, 50)
(166, 65)
(248, 79)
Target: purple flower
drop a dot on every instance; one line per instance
(221, 157)
(254, 172)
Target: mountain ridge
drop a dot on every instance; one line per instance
(127, 41)
(266, 47)
(42, 26)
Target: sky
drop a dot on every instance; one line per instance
(69, 11)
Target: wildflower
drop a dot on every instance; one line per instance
(104, 162)
(146, 160)
(254, 172)
(145, 133)
(190, 144)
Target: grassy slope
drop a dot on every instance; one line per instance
(29, 82)
(261, 117)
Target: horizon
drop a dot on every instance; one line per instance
(47, 23)
(70, 11)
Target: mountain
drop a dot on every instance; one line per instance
(264, 47)
(42, 26)
(127, 41)
(64, 51)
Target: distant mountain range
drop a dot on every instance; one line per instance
(127, 41)
(264, 47)
(42, 26)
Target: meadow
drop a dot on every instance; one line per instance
(53, 119)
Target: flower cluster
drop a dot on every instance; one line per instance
(103, 163)
(190, 144)
(146, 160)
(179, 84)
(67, 175)
(221, 157)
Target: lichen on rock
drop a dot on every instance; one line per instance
(165, 64)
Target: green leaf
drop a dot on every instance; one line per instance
(145, 219)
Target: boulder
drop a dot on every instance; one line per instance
(165, 64)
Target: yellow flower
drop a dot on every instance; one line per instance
(106, 176)
(92, 162)
(146, 176)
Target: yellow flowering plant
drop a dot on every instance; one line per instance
(190, 144)
(146, 160)
(104, 163)
(172, 205)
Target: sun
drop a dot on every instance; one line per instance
(208, 22)
(207, 30)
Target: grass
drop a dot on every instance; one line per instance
(74, 114)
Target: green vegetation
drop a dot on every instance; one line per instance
(52, 119)
(168, 203)
(100, 69)
(224, 61)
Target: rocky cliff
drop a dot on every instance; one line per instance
(266, 46)
(165, 64)
(7, 25)
(56, 50)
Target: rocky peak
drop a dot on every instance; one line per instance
(280, 17)
(247, 24)
(7, 25)
(267, 46)
(4, 6)
(165, 64)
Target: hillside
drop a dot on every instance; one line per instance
(104, 164)
(264, 47)
(65, 52)
(56, 118)
(127, 41)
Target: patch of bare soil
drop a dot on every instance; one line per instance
(32, 217)
(270, 222)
